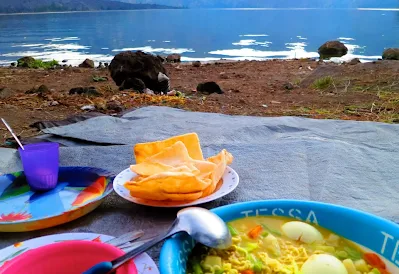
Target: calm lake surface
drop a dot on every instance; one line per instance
(197, 34)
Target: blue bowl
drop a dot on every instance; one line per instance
(379, 235)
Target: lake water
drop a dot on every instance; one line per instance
(197, 34)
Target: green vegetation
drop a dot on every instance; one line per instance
(323, 83)
(35, 64)
(99, 79)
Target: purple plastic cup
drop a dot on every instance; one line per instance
(41, 163)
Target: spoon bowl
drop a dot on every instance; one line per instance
(204, 227)
(201, 224)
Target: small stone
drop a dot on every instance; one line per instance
(88, 107)
(43, 89)
(196, 64)
(235, 90)
(115, 106)
(100, 65)
(242, 101)
(64, 61)
(354, 61)
(172, 93)
(265, 106)
(87, 64)
(13, 64)
(54, 103)
(223, 75)
(289, 86)
(209, 88)
(90, 91)
(275, 102)
(5, 93)
(174, 58)
(106, 65)
(148, 91)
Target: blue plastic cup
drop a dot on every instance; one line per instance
(41, 164)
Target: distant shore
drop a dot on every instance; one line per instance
(180, 8)
(84, 11)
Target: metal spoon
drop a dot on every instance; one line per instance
(201, 224)
(12, 133)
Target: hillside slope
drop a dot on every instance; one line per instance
(14, 6)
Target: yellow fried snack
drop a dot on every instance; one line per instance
(221, 161)
(165, 160)
(165, 185)
(143, 151)
(174, 169)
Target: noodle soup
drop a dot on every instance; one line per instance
(274, 245)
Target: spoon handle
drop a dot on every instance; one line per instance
(137, 251)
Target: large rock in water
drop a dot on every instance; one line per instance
(134, 66)
(391, 54)
(332, 49)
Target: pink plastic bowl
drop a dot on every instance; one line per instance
(71, 257)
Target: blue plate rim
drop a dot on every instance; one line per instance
(108, 190)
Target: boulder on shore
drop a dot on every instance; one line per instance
(26, 62)
(391, 54)
(87, 64)
(209, 88)
(174, 58)
(196, 64)
(332, 49)
(131, 69)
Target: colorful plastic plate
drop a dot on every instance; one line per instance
(229, 182)
(144, 263)
(79, 191)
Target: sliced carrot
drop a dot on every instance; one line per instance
(255, 232)
(384, 271)
(374, 260)
(247, 272)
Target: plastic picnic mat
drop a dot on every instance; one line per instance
(355, 164)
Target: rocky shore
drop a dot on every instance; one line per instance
(305, 87)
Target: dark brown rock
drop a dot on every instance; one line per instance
(332, 49)
(128, 66)
(209, 88)
(196, 64)
(289, 86)
(354, 61)
(391, 54)
(87, 64)
(174, 58)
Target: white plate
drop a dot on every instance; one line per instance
(230, 181)
(144, 263)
